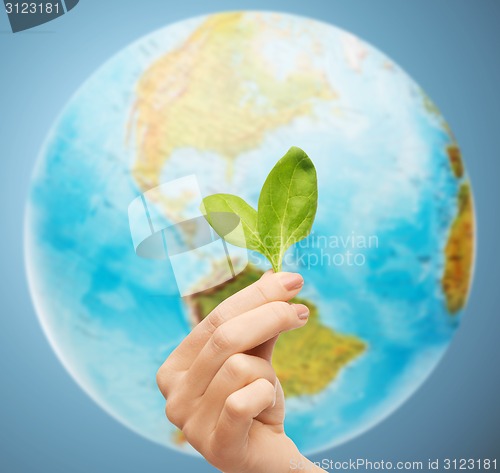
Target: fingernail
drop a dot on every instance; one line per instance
(291, 280)
(301, 310)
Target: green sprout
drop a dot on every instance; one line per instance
(286, 209)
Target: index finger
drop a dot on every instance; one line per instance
(270, 287)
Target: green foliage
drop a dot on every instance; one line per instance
(286, 210)
(217, 206)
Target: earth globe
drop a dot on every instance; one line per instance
(222, 97)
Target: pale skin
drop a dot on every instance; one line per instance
(221, 388)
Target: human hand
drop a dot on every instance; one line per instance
(220, 386)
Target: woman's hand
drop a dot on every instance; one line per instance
(220, 386)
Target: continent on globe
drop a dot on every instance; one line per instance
(206, 94)
(459, 253)
(306, 360)
(455, 157)
(459, 249)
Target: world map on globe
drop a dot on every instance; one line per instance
(388, 264)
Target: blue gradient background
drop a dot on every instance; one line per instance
(47, 424)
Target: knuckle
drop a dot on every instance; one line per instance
(237, 366)
(220, 341)
(193, 432)
(173, 412)
(160, 373)
(159, 379)
(260, 289)
(267, 393)
(281, 311)
(163, 380)
(271, 375)
(161, 383)
(267, 390)
(189, 431)
(215, 319)
(235, 408)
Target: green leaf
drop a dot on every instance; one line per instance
(218, 209)
(287, 204)
(287, 207)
